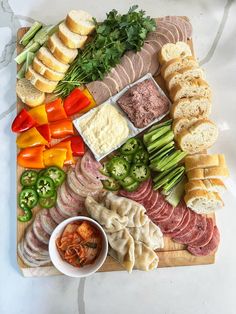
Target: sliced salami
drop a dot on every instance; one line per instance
(190, 225)
(48, 224)
(153, 201)
(183, 224)
(206, 236)
(174, 220)
(165, 213)
(140, 193)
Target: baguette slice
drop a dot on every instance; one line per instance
(194, 87)
(40, 82)
(48, 59)
(208, 173)
(80, 22)
(177, 64)
(70, 39)
(183, 75)
(170, 51)
(203, 202)
(191, 107)
(60, 51)
(204, 161)
(210, 185)
(46, 72)
(28, 94)
(181, 124)
(198, 137)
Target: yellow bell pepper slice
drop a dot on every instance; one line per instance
(30, 138)
(69, 157)
(39, 114)
(92, 101)
(54, 157)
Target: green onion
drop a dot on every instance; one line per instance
(31, 33)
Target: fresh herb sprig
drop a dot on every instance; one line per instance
(113, 37)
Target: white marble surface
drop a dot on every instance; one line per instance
(191, 290)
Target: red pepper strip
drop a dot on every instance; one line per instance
(75, 102)
(55, 110)
(31, 157)
(77, 145)
(44, 130)
(62, 128)
(23, 121)
(69, 157)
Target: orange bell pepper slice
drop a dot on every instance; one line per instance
(62, 128)
(31, 157)
(69, 155)
(54, 157)
(39, 114)
(30, 138)
(55, 110)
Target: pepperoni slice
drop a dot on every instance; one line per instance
(183, 224)
(174, 220)
(206, 236)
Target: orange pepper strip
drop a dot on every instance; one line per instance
(54, 157)
(39, 114)
(30, 138)
(69, 156)
(31, 157)
(62, 128)
(55, 110)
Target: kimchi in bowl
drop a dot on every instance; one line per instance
(78, 246)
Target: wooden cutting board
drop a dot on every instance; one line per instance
(173, 254)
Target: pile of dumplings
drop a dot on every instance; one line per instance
(132, 236)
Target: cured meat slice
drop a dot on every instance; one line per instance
(111, 84)
(91, 185)
(195, 233)
(115, 75)
(75, 185)
(65, 209)
(164, 29)
(206, 236)
(166, 213)
(190, 225)
(48, 224)
(153, 201)
(154, 60)
(159, 37)
(178, 21)
(128, 66)
(27, 259)
(90, 167)
(172, 28)
(57, 217)
(34, 243)
(66, 197)
(183, 224)
(146, 59)
(159, 206)
(188, 26)
(174, 220)
(125, 79)
(99, 90)
(209, 248)
(40, 234)
(140, 193)
(35, 255)
(137, 63)
(79, 199)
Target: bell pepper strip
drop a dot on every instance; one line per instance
(54, 157)
(23, 122)
(62, 128)
(30, 138)
(69, 157)
(45, 131)
(31, 157)
(55, 110)
(77, 145)
(39, 114)
(92, 101)
(75, 102)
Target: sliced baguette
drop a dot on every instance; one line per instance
(60, 51)
(210, 185)
(170, 51)
(46, 72)
(181, 124)
(80, 22)
(70, 39)
(204, 161)
(198, 137)
(177, 64)
(191, 107)
(28, 94)
(48, 59)
(194, 87)
(40, 82)
(203, 202)
(185, 74)
(208, 173)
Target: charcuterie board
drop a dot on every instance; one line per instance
(173, 254)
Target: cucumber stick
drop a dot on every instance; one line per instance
(160, 142)
(176, 193)
(157, 126)
(168, 161)
(162, 150)
(30, 34)
(171, 175)
(168, 186)
(155, 134)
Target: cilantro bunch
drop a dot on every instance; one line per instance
(113, 37)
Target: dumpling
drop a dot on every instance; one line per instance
(110, 221)
(145, 258)
(122, 248)
(126, 208)
(150, 234)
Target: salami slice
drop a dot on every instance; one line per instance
(40, 234)
(140, 193)
(48, 224)
(165, 214)
(174, 220)
(190, 225)
(208, 248)
(183, 224)
(206, 236)
(153, 201)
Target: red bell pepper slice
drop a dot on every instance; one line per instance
(31, 157)
(62, 128)
(75, 102)
(55, 110)
(23, 122)
(77, 145)
(44, 130)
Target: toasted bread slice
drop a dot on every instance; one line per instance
(80, 22)
(208, 173)
(191, 107)
(204, 161)
(70, 39)
(48, 59)
(210, 185)
(181, 124)
(177, 64)
(170, 51)
(60, 51)
(48, 73)
(28, 94)
(40, 82)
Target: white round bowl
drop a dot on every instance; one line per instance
(65, 267)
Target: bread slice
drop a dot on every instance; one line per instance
(203, 202)
(191, 107)
(80, 22)
(183, 75)
(177, 64)
(48, 59)
(40, 82)
(170, 51)
(28, 94)
(198, 137)
(210, 185)
(70, 39)
(60, 51)
(208, 173)
(48, 73)
(181, 124)
(204, 161)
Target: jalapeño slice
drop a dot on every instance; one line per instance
(104, 170)
(130, 147)
(48, 202)
(28, 198)
(141, 157)
(45, 187)
(127, 181)
(26, 217)
(28, 178)
(132, 187)
(110, 184)
(140, 172)
(118, 168)
(56, 174)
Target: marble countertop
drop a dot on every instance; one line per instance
(191, 290)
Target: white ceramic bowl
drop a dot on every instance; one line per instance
(65, 267)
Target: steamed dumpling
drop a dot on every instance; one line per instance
(145, 258)
(122, 248)
(110, 221)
